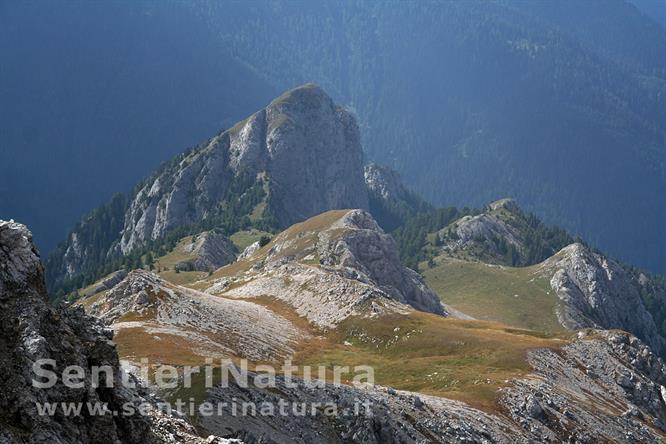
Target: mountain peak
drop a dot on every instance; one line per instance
(308, 91)
(332, 266)
(506, 203)
(298, 157)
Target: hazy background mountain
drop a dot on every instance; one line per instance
(558, 104)
(94, 95)
(655, 9)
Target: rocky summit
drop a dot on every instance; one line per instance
(332, 266)
(302, 147)
(298, 157)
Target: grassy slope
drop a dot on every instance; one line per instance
(245, 238)
(515, 296)
(465, 360)
(90, 289)
(166, 264)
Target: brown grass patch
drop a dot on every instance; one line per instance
(464, 360)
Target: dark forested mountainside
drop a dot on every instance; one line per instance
(472, 101)
(95, 95)
(559, 104)
(654, 9)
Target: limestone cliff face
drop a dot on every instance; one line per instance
(597, 292)
(385, 183)
(30, 330)
(302, 148)
(299, 156)
(315, 156)
(365, 251)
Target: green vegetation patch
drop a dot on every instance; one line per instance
(244, 238)
(465, 360)
(520, 297)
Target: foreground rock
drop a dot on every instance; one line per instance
(328, 268)
(605, 387)
(31, 330)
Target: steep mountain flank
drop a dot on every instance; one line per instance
(598, 292)
(330, 267)
(297, 157)
(31, 330)
(304, 149)
(391, 203)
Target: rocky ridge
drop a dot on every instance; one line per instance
(30, 330)
(487, 235)
(330, 267)
(597, 292)
(181, 323)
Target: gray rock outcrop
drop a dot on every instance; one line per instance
(208, 251)
(330, 267)
(480, 235)
(385, 183)
(249, 251)
(197, 325)
(389, 200)
(597, 292)
(366, 253)
(30, 330)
